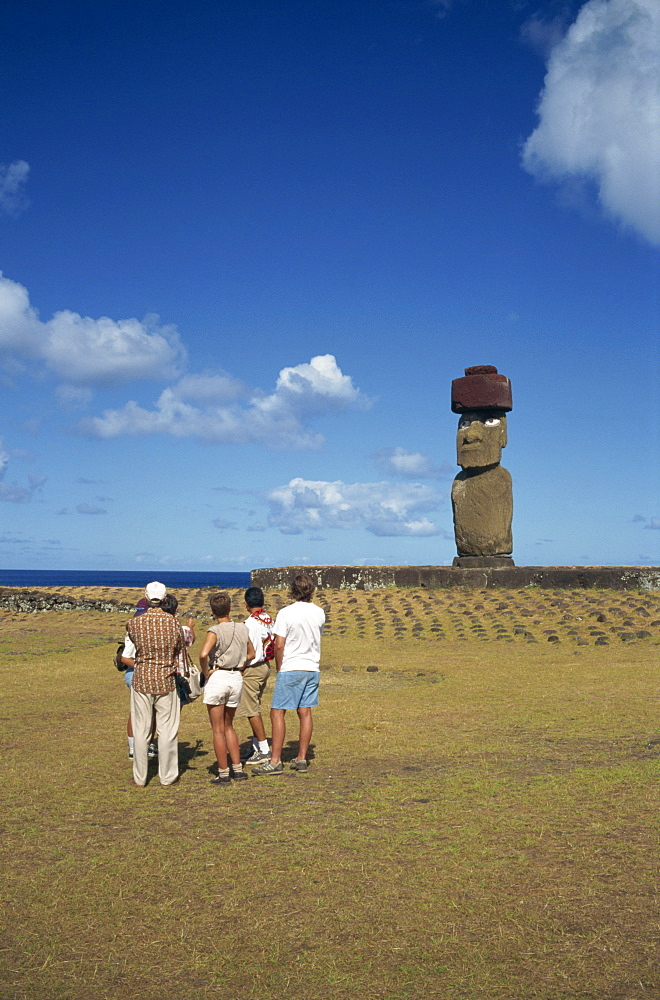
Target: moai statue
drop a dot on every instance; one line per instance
(481, 495)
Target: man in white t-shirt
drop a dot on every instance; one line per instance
(297, 629)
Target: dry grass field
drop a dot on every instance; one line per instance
(479, 820)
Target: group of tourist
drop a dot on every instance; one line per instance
(235, 663)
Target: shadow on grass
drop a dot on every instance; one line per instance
(187, 753)
(290, 751)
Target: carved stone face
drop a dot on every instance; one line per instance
(480, 438)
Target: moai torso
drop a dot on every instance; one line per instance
(482, 501)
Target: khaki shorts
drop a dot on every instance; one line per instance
(254, 685)
(223, 688)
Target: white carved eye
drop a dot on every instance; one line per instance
(491, 421)
(463, 423)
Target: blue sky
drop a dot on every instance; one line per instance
(247, 245)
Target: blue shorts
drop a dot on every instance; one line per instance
(128, 677)
(296, 689)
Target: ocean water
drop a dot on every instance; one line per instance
(118, 578)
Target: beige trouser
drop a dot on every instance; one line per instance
(168, 710)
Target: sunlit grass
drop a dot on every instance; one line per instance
(479, 820)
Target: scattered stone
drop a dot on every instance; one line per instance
(372, 670)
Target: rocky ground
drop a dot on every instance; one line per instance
(580, 617)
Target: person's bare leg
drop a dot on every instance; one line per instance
(217, 720)
(306, 727)
(231, 739)
(257, 726)
(278, 725)
(129, 726)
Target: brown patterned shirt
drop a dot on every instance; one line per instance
(158, 638)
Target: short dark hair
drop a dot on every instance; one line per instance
(302, 587)
(169, 603)
(220, 604)
(254, 597)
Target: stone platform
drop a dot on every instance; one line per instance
(440, 577)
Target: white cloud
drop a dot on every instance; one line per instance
(385, 509)
(544, 34)
(85, 351)
(227, 412)
(599, 112)
(313, 383)
(87, 508)
(654, 524)
(13, 178)
(411, 464)
(73, 397)
(14, 492)
(207, 389)
(20, 327)
(105, 351)
(213, 407)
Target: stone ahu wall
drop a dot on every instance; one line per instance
(13, 599)
(438, 577)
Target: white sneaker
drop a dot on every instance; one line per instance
(257, 756)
